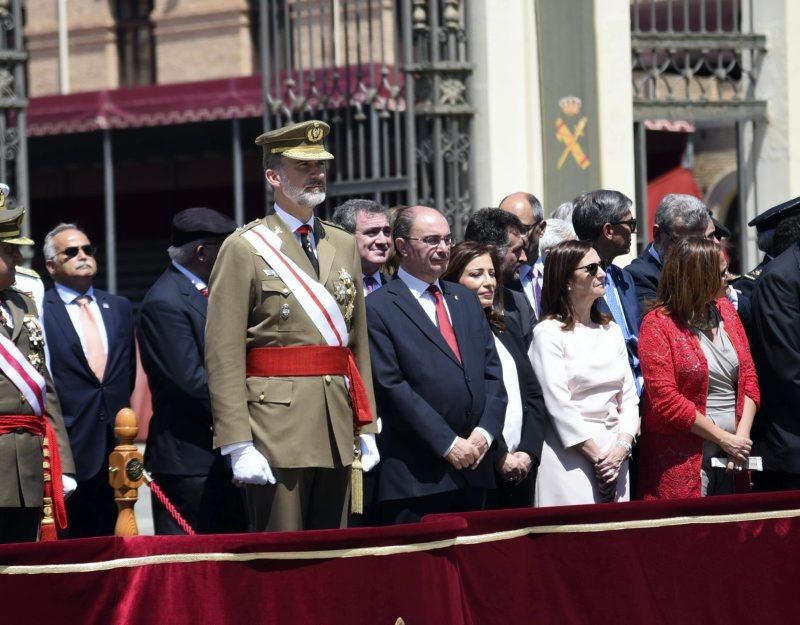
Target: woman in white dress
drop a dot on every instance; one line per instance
(580, 359)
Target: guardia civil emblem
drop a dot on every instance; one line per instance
(344, 291)
(314, 133)
(35, 341)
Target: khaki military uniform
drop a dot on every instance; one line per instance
(295, 422)
(21, 481)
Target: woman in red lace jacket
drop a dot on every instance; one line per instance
(701, 390)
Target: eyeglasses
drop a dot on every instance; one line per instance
(631, 223)
(434, 240)
(72, 251)
(591, 268)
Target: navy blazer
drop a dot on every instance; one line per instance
(90, 405)
(425, 397)
(517, 307)
(630, 308)
(645, 271)
(171, 333)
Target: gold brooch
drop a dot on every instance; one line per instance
(344, 290)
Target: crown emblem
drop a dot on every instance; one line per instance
(314, 133)
(570, 105)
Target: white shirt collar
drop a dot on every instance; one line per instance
(69, 295)
(375, 276)
(524, 271)
(539, 266)
(290, 220)
(417, 287)
(197, 282)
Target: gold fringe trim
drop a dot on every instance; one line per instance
(360, 552)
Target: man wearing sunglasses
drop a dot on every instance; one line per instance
(93, 361)
(604, 219)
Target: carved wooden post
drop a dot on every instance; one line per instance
(125, 472)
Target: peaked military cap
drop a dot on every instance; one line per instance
(770, 218)
(301, 142)
(11, 221)
(194, 224)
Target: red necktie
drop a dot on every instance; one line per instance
(304, 230)
(204, 292)
(443, 321)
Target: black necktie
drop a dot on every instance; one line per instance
(305, 242)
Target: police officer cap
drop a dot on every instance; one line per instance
(195, 224)
(301, 142)
(769, 219)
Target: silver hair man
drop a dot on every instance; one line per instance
(556, 231)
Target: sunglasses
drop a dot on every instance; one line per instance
(72, 251)
(591, 269)
(631, 223)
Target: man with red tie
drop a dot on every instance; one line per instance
(437, 378)
(172, 320)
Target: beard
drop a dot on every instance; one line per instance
(301, 196)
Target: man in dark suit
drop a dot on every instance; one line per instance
(529, 211)
(775, 343)
(368, 222)
(604, 219)
(677, 216)
(437, 378)
(504, 230)
(93, 361)
(172, 320)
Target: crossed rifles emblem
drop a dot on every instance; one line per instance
(571, 107)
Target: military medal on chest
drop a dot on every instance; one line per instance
(344, 291)
(36, 342)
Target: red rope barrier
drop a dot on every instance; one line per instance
(168, 504)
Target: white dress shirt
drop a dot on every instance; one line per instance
(69, 297)
(527, 274)
(512, 426)
(419, 289)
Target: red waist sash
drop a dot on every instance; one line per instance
(312, 360)
(53, 487)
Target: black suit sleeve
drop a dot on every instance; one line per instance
(170, 350)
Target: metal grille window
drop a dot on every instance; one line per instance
(135, 42)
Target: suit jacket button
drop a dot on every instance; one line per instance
(285, 292)
(327, 379)
(22, 399)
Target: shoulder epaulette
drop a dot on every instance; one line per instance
(753, 275)
(247, 227)
(28, 272)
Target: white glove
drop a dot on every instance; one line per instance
(250, 466)
(69, 485)
(369, 451)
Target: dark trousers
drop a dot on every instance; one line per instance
(302, 499)
(772, 481)
(511, 495)
(210, 504)
(398, 511)
(91, 510)
(19, 525)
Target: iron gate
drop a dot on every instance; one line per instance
(392, 78)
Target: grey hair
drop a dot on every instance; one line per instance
(556, 231)
(346, 214)
(595, 209)
(182, 254)
(678, 210)
(48, 248)
(564, 211)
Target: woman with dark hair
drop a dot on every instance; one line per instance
(701, 386)
(477, 266)
(579, 356)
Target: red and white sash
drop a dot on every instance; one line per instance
(313, 297)
(22, 374)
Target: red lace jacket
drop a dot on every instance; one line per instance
(676, 386)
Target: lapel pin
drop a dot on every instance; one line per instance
(455, 296)
(105, 305)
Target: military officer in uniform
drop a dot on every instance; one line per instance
(35, 459)
(765, 224)
(286, 348)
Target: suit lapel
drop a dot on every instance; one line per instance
(410, 307)
(56, 308)
(457, 319)
(290, 246)
(185, 287)
(17, 318)
(325, 252)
